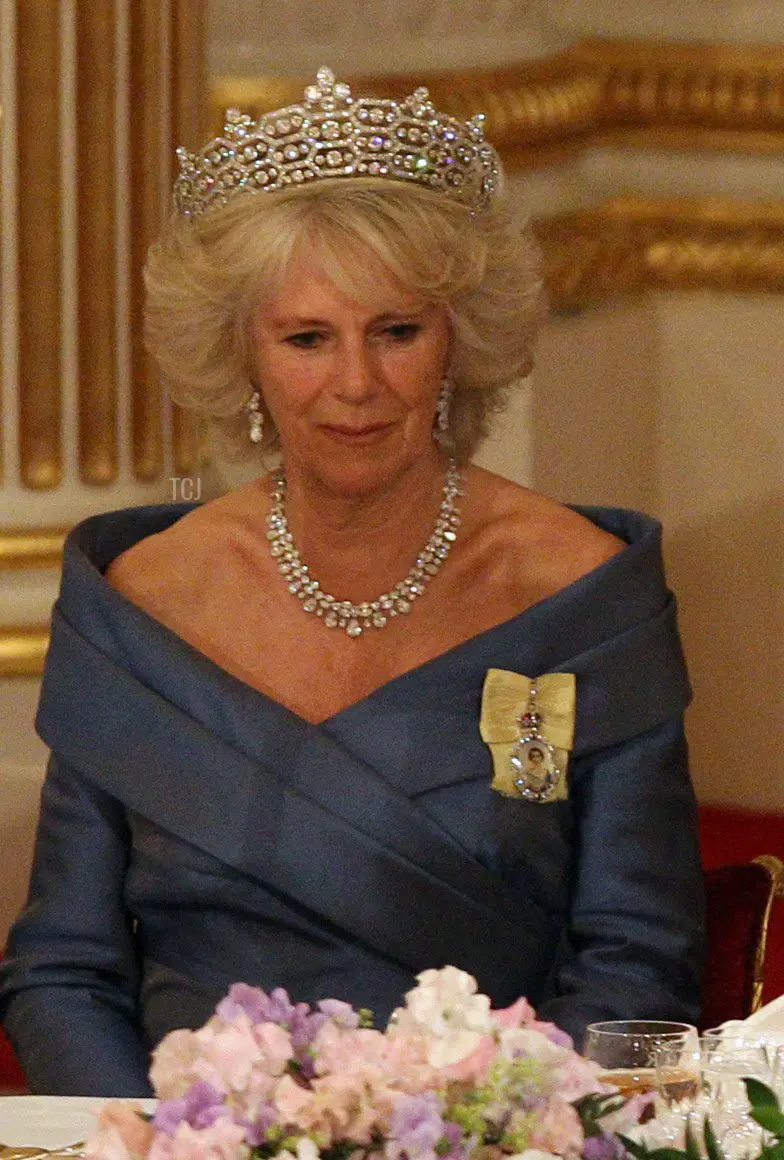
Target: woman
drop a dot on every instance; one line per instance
(261, 775)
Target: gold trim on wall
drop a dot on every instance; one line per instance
(149, 139)
(97, 251)
(23, 548)
(39, 243)
(627, 245)
(619, 92)
(22, 651)
(189, 128)
(705, 94)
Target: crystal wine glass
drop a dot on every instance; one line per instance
(625, 1050)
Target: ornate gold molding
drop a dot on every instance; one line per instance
(39, 244)
(23, 548)
(629, 92)
(629, 244)
(22, 651)
(688, 94)
(97, 252)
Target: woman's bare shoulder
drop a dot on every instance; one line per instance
(543, 540)
(168, 570)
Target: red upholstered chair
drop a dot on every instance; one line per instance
(738, 906)
(12, 1078)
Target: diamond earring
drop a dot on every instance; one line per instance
(255, 417)
(441, 428)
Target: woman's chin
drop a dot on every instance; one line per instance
(354, 466)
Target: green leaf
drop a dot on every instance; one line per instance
(643, 1152)
(773, 1152)
(771, 1119)
(640, 1151)
(760, 1095)
(711, 1143)
(668, 1154)
(692, 1147)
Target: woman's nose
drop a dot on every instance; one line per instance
(356, 379)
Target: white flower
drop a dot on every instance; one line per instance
(527, 1041)
(446, 1008)
(306, 1150)
(534, 1154)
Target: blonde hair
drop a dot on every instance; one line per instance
(206, 277)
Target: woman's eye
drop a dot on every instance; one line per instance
(403, 331)
(304, 340)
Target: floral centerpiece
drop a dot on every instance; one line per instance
(449, 1079)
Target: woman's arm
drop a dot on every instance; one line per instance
(636, 925)
(69, 980)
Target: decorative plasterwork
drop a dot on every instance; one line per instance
(624, 92)
(22, 651)
(630, 244)
(21, 548)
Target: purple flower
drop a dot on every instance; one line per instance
(200, 1107)
(256, 1130)
(555, 1034)
(339, 1012)
(453, 1134)
(602, 1147)
(251, 1001)
(417, 1127)
(273, 1008)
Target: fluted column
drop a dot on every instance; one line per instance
(94, 97)
(39, 283)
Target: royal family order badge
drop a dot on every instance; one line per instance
(528, 725)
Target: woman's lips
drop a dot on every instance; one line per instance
(365, 434)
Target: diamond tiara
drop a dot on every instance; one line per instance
(333, 135)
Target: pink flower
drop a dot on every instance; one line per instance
(292, 1100)
(238, 1056)
(534, 1154)
(340, 1049)
(171, 1073)
(577, 1077)
(122, 1133)
(473, 1068)
(629, 1114)
(223, 1140)
(336, 1107)
(558, 1129)
(520, 1013)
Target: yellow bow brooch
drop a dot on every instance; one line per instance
(528, 725)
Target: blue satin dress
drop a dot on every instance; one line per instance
(194, 832)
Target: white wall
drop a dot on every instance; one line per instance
(674, 404)
(22, 761)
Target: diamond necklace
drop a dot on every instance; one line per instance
(354, 618)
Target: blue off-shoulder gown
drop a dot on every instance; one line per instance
(194, 832)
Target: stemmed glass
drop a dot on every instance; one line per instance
(706, 1080)
(626, 1050)
(725, 1063)
(678, 1088)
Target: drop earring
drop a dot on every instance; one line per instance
(441, 428)
(255, 417)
